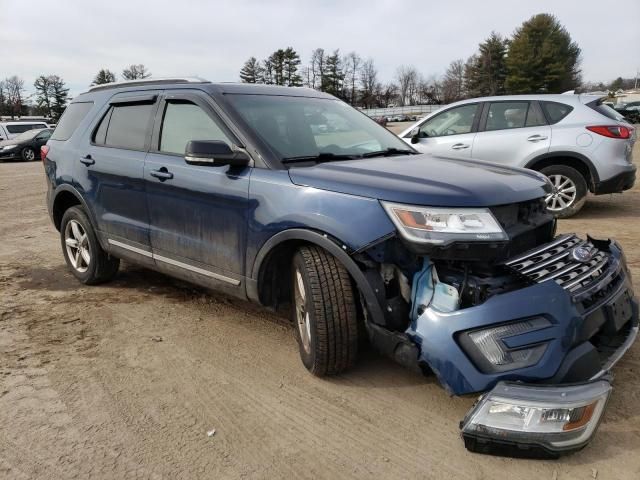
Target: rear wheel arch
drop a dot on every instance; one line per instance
(273, 262)
(66, 197)
(574, 160)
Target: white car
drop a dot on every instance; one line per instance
(10, 130)
(581, 144)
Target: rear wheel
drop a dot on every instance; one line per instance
(324, 313)
(28, 154)
(569, 190)
(86, 259)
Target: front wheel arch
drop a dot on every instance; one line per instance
(283, 245)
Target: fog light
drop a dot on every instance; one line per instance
(535, 421)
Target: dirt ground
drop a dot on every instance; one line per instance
(126, 380)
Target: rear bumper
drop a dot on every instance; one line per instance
(618, 183)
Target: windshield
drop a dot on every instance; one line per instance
(299, 127)
(606, 110)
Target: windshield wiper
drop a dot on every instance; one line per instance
(321, 157)
(388, 152)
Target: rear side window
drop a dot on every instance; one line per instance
(606, 110)
(125, 126)
(70, 120)
(507, 115)
(24, 127)
(555, 111)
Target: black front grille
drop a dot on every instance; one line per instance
(556, 261)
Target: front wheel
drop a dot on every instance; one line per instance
(324, 313)
(569, 190)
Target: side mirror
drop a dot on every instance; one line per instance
(214, 153)
(415, 135)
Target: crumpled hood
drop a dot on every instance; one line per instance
(425, 180)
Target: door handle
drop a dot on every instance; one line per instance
(537, 138)
(459, 146)
(162, 174)
(87, 160)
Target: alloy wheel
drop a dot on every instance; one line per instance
(77, 245)
(29, 155)
(563, 193)
(302, 316)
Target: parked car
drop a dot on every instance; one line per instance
(9, 130)
(446, 265)
(381, 121)
(630, 111)
(580, 144)
(25, 146)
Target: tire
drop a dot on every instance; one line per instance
(88, 262)
(570, 188)
(28, 154)
(326, 310)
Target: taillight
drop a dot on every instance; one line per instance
(44, 150)
(612, 131)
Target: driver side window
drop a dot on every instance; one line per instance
(454, 121)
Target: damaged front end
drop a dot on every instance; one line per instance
(491, 302)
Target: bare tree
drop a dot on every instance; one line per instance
(136, 72)
(14, 92)
(368, 83)
(453, 88)
(317, 67)
(408, 80)
(352, 63)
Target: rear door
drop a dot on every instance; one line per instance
(111, 169)
(512, 133)
(451, 132)
(198, 214)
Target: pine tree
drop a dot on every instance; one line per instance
(60, 95)
(487, 70)
(277, 61)
(542, 58)
(333, 75)
(104, 76)
(252, 71)
(291, 63)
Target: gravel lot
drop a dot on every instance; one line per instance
(127, 379)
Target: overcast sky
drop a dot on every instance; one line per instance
(212, 39)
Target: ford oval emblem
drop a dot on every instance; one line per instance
(582, 254)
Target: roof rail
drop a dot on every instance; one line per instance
(148, 81)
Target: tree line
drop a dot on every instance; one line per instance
(540, 57)
(51, 94)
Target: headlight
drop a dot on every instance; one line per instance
(488, 351)
(535, 421)
(438, 225)
(9, 147)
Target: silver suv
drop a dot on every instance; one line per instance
(581, 144)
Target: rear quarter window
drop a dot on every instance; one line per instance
(606, 110)
(555, 111)
(71, 118)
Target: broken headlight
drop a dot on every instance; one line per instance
(444, 225)
(535, 420)
(488, 350)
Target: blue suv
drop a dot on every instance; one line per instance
(294, 200)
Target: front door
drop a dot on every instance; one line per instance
(198, 214)
(449, 133)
